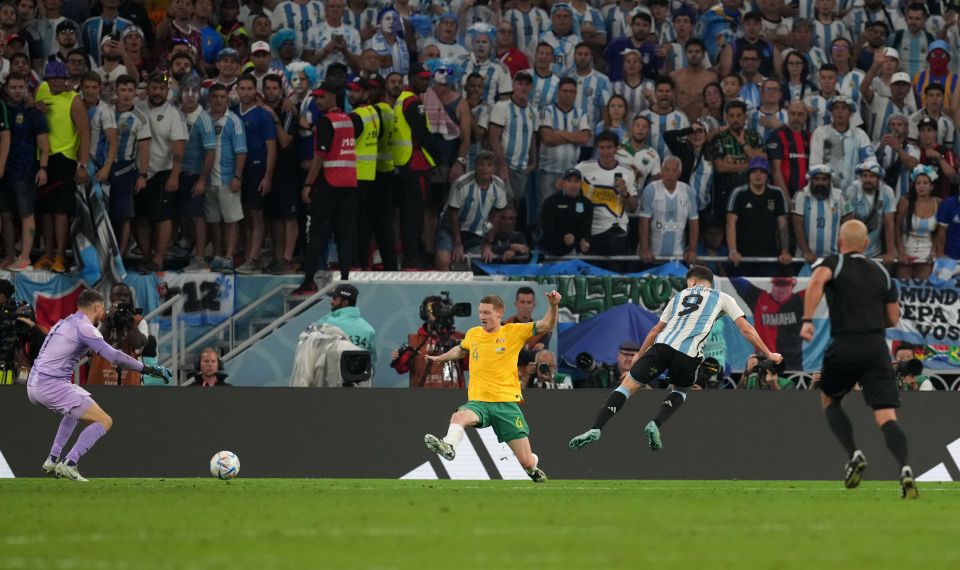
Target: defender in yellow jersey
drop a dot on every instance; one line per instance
(494, 389)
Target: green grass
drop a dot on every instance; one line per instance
(321, 523)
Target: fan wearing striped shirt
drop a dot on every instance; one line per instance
(675, 344)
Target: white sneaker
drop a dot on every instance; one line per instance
(69, 472)
(49, 467)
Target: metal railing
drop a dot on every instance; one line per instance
(230, 325)
(292, 313)
(176, 336)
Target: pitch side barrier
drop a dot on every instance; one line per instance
(288, 432)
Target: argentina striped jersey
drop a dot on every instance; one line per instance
(298, 17)
(543, 93)
(132, 127)
(660, 124)
(690, 315)
(527, 27)
(519, 124)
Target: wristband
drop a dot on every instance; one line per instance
(806, 320)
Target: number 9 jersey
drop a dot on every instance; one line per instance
(690, 315)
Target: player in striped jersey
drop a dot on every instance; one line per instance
(817, 213)
(664, 116)
(545, 81)
(633, 87)
(593, 87)
(667, 208)
(299, 16)
(528, 23)
(675, 343)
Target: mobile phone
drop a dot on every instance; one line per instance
(617, 177)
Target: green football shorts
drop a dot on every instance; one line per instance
(505, 417)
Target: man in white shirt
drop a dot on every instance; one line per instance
(610, 186)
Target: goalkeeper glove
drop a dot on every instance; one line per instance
(158, 371)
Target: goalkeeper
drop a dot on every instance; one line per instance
(50, 382)
(493, 394)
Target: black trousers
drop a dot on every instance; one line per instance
(332, 209)
(413, 186)
(375, 219)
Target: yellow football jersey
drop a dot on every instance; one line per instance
(493, 361)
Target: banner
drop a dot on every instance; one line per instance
(210, 297)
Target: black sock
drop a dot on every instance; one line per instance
(673, 401)
(842, 428)
(614, 404)
(896, 441)
(54, 459)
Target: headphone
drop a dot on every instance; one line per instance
(426, 307)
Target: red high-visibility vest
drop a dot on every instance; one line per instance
(340, 163)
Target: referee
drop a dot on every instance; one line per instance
(863, 302)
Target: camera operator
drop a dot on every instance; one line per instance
(211, 370)
(345, 315)
(709, 375)
(600, 375)
(909, 369)
(20, 337)
(435, 336)
(760, 373)
(545, 374)
(123, 328)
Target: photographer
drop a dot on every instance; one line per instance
(545, 374)
(20, 337)
(760, 373)
(710, 375)
(909, 369)
(436, 336)
(123, 328)
(600, 375)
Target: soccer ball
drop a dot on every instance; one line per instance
(225, 465)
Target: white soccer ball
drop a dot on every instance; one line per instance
(225, 465)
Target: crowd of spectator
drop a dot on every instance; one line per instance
(657, 129)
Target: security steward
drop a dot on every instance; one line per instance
(330, 187)
(373, 217)
(413, 152)
(863, 302)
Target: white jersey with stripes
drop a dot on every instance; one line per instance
(690, 315)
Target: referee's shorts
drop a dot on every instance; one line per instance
(661, 357)
(863, 359)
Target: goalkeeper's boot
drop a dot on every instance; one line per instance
(538, 476)
(585, 438)
(69, 472)
(907, 484)
(440, 447)
(653, 436)
(853, 471)
(49, 467)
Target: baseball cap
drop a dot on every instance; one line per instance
(938, 44)
(259, 47)
(347, 291)
(927, 121)
(228, 52)
(328, 87)
(629, 346)
(573, 173)
(16, 38)
(900, 77)
(758, 163)
(891, 52)
(417, 70)
(67, 25)
(523, 75)
(841, 99)
(55, 70)
(132, 30)
(372, 82)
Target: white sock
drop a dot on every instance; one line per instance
(454, 434)
(536, 461)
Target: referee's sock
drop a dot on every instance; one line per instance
(615, 403)
(672, 402)
(842, 428)
(896, 441)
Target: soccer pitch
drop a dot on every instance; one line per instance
(325, 523)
